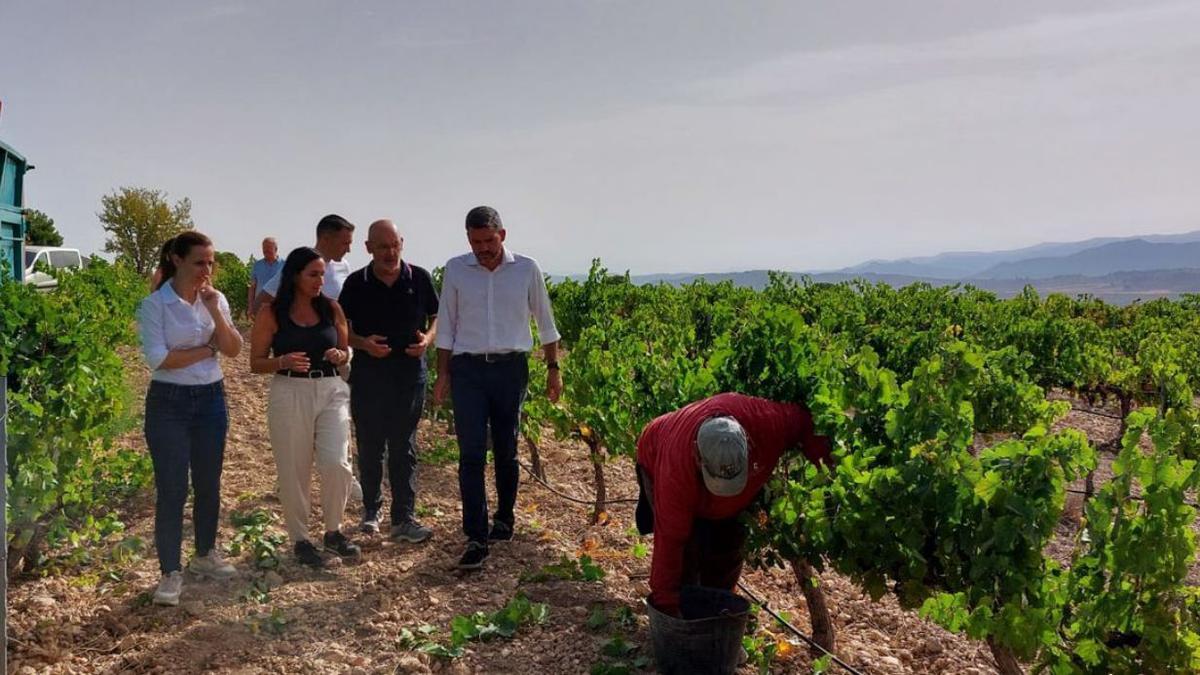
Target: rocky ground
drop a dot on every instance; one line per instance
(351, 618)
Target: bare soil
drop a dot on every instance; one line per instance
(348, 618)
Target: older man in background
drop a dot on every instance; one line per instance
(264, 268)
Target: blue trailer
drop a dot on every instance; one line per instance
(12, 223)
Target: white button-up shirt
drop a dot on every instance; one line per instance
(487, 311)
(165, 322)
(336, 272)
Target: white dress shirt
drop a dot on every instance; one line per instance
(165, 322)
(487, 311)
(336, 272)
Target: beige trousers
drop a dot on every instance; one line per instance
(310, 419)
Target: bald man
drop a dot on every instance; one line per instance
(392, 307)
(264, 268)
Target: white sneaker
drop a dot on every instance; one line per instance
(213, 566)
(169, 589)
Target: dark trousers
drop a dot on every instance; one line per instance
(386, 399)
(713, 555)
(185, 429)
(487, 394)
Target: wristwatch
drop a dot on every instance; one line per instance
(214, 349)
(552, 365)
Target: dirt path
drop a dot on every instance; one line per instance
(349, 618)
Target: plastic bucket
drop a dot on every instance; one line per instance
(707, 640)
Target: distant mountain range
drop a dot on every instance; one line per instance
(1097, 256)
(1138, 255)
(1116, 269)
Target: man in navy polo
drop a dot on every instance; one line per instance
(488, 297)
(392, 308)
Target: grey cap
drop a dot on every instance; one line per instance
(724, 457)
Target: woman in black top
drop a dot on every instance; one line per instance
(301, 337)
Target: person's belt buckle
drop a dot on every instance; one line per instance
(316, 374)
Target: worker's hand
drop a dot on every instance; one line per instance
(670, 610)
(554, 385)
(441, 388)
(336, 356)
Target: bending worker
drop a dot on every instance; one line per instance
(698, 468)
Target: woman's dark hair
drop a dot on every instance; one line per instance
(296, 261)
(179, 245)
(164, 261)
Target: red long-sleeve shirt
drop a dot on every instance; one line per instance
(666, 451)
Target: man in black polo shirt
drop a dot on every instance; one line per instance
(392, 310)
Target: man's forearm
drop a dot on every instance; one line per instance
(666, 571)
(550, 351)
(443, 362)
(357, 341)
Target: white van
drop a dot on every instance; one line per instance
(40, 258)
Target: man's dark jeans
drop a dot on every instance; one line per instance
(487, 394)
(386, 399)
(185, 429)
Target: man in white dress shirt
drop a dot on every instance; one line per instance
(483, 343)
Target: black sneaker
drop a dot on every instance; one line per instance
(336, 542)
(501, 531)
(473, 557)
(307, 554)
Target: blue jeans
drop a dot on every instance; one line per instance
(185, 429)
(487, 394)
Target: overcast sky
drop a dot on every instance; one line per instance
(659, 136)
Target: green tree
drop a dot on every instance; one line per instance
(233, 279)
(41, 229)
(138, 221)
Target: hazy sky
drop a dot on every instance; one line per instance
(659, 136)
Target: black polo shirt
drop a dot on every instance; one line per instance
(396, 312)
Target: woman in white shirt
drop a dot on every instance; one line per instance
(184, 324)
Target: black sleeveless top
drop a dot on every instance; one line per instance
(312, 340)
